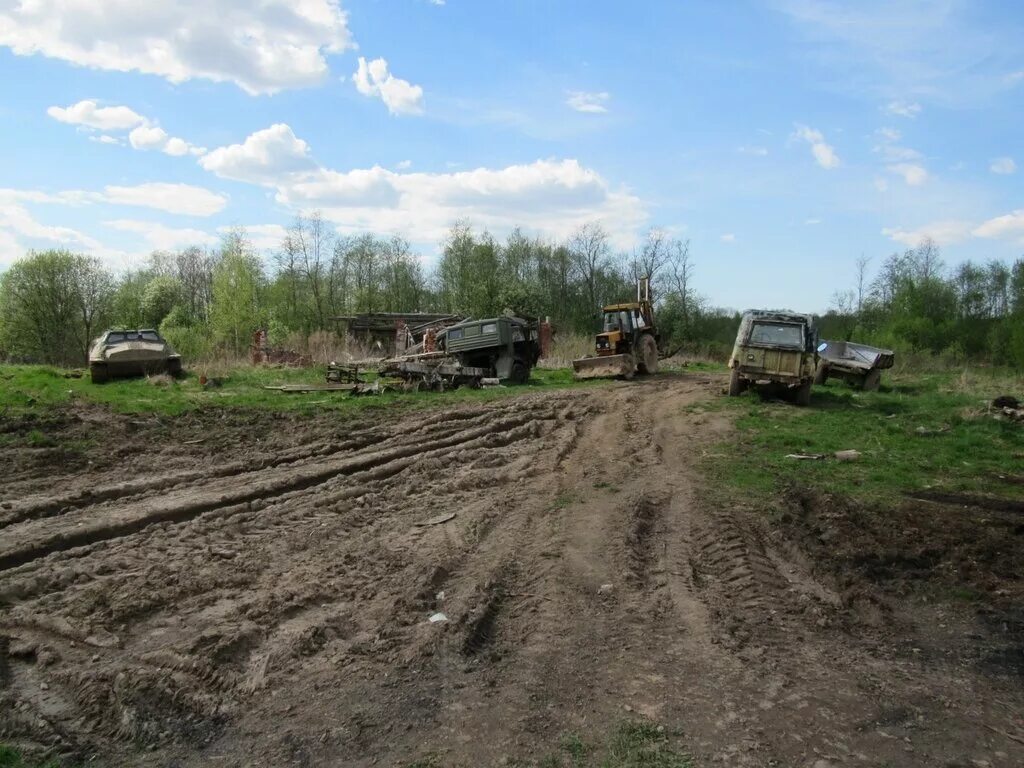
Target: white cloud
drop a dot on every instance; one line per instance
(890, 150)
(144, 134)
(903, 109)
(182, 199)
(262, 158)
(18, 221)
(913, 175)
(756, 151)
(162, 238)
(403, 165)
(261, 47)
(942, 232)
(551, 197)
(89, 114)
(823, 153)
(1009, 226)
(583, 101)
(400, 96)
(1003, 166)
(265, 237)
(728, 237)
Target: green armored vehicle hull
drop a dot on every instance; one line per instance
(131, 353)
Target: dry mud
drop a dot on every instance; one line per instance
(231, 589)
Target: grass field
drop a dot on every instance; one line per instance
(932, 431)
(25, 388)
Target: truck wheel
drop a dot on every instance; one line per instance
(735, 383)
(803, 394)
(647, 357)
(520, 373)
(871, 381)
(98, 373)
(821, 376)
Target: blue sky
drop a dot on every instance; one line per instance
(784, 138)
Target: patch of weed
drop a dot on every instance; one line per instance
(643, 745)
(920, 432)
(12, 758)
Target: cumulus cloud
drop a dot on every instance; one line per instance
(551, 197)
(903, 109)
(1003, 165)
(942, 232)
(261, 47)
(823, 153)
(183, 199)
(1009, 226)
(400, 96)
(264, 157)
(144, 134)
(584, 101)
(91, 115)
(913, 175)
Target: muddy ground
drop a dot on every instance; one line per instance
(233, 589)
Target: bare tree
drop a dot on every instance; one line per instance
(862, 282)
(590, 253)
(655, 253)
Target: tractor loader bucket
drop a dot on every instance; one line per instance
(604, 367)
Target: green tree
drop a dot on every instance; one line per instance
(238, 284)
(159, 297)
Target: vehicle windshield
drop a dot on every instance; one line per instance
(777, 334)
(617, 321)
(116, 337)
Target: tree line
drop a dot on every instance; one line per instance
(209, 301)
(914, 303)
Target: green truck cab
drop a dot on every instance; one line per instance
(777, 348)
(508, 347)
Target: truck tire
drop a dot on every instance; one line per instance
(98, 373)
(647, 355)
(803, 394)
(821, 375)
(520, 372)
(871, 381)
(735, 383)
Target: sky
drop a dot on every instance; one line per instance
(783, 138)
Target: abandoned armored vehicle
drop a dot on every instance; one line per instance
(776, 348)
(131, 353)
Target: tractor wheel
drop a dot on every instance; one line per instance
(871, 381)
(520, 373)
(736, 383)
(803, 394)
(98, 373)
(647, 355)
(821, 375)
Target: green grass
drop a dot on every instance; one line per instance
(12, 758)
(32, 388)
(929, 431)
(638, 744)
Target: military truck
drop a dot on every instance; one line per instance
(775, 347)
(507, 347)
(134, 352)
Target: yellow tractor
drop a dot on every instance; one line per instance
(628, 343)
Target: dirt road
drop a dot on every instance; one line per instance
(234, 590)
